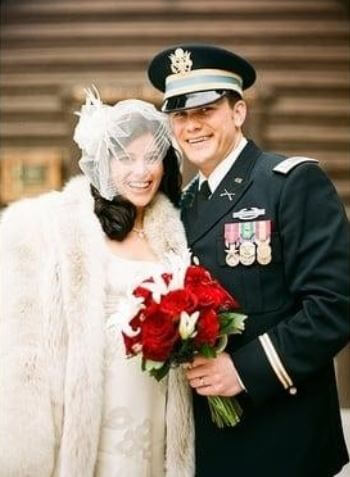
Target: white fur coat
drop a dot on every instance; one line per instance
(52, 336)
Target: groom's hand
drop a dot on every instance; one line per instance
(214, 376)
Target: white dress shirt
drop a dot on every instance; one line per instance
(223, 167)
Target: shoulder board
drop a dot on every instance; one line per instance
(287, 165)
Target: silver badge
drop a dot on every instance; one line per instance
(248, 214)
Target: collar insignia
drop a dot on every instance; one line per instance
(227, 194)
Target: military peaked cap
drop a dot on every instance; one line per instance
(196, 75)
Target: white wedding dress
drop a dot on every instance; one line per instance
(132, 439)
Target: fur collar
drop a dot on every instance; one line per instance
(162, 227)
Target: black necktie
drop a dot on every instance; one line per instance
(204, 191)
(203, 196)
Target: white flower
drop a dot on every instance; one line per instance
(177, 267)
(98, 123)
(91, 129)
(188, 324)
(158, 288)
(150, 365)
(128, 307)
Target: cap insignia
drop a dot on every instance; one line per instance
(180, 61)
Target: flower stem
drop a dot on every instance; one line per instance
(225, 411)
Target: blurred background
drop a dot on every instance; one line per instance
(52, 49)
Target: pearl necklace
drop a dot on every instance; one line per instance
(139, 232)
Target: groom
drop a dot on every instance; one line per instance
(273, 231)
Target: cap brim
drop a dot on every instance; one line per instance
(192, 100)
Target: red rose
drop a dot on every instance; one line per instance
(207, 328)
(144, 293)
(151, 308)
(197, 275)
(177, 301)
(167, 277)
(207, 290)
(132, 343)
(159, 333)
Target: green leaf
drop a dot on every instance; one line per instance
(160, 373)
(231, 323)
(207, 351)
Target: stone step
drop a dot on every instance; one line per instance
(279, 82)
(30, 103)
(337, 167)
(343, 189)
(15, 117)
(34, 107)
(241, 31)
(317, 110)
(110, 9)
(289, 137)
(73, 58)
(26, 129)
(291, 105)
(328, 81)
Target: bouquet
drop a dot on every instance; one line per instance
(174, 316)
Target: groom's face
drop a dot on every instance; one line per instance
(207, 134)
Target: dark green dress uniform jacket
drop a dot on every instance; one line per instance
(300, 299)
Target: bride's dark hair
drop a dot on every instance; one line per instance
(117, 216)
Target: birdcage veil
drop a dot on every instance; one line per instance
(103, 133)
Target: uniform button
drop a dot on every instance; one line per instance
(292, 391)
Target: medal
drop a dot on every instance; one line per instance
(263, 235)
(247, 230)
(231, 234)
(232, 257)
(247, 248)
(247, 252)
(231, 239)
(264, 259)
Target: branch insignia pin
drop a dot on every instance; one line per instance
(228, 194)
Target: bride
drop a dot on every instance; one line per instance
(71, 403)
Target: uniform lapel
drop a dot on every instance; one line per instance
(189, 205)
(229, 191)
